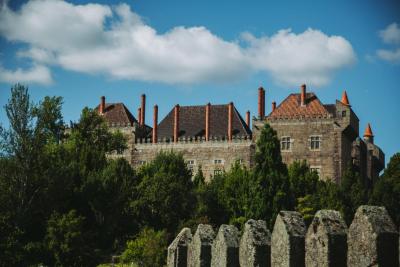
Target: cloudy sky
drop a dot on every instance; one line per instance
(194, 52)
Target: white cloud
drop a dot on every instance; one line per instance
(114, 41)
(36, 74)
(391, 34)
(389, 55)
(310, 57)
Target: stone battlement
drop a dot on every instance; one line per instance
(194, 139)
(371, 240)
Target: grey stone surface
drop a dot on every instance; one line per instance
(287, 241)
(326, 240)
(201, 153)
(373, 239)
(225, 249)
(255, 245)
(200, 248)
(177, 250)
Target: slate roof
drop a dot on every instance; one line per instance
(118, 113)
(291, 108)
(192, 122)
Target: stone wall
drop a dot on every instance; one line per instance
(327, 158)
(372, 239)
(213, 155)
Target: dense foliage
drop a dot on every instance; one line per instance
(63, 202)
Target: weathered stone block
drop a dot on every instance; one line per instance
(255, 245)
(225, 249)
(326, 240)
(287, 242)
(200, 248)
(373, 239)
(178, 250)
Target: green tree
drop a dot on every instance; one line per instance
(66, 241)
(354, 192)
(270, 186)
(386, 191)
(165, 194)
(302, 181)
(147, 250)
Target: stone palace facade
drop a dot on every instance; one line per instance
(214, 137)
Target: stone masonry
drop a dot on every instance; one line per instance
(213, 137)
(371, 240)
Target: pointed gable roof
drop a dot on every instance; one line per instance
(291, 108)
(192, 121)
(118, 114)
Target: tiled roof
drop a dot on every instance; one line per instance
(291, 108)
(192, 122)
(118, 113)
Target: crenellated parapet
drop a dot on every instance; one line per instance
(194, 139)
(371, 240)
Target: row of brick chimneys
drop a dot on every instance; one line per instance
(261, 113)
(207, 122)
(261, 105)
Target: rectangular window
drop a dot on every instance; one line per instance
(217, 161)
(217, 172)
(315, 142)
(344, 113)
(316, 169)
(190, 162)
(285, 143)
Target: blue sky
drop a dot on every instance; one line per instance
(194, 52)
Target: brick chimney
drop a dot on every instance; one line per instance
(176, 123)
(261, 103)
(273, 106)
(139, 115)
(208, 110)
(303, 95)
(248, 118)
(368, 135)
(230, 117)
(143, 110)
(102, 106)
(155, 122)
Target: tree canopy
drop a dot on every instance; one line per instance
(65, 202)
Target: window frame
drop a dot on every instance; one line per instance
(218, 161)
(316, 169)
(315, 139)
(288, 143)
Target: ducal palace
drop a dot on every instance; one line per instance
(214, 137)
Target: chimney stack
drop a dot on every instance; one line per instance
(248, 118)
(230, 115)
(143, 110)
(208, 110)
(155, 122)
(303, 95)
(261, 103)
(273, 106)
(139, 116)
(176, 123)
(102, 106)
